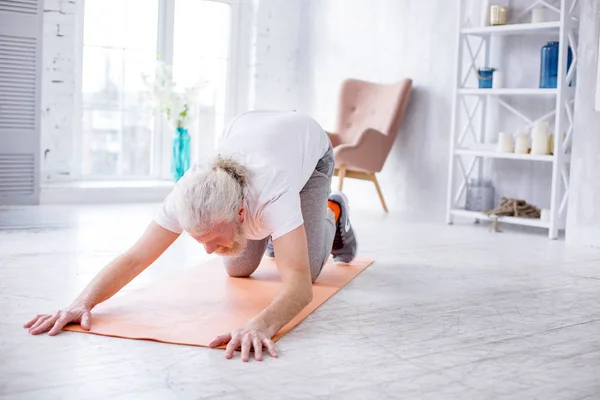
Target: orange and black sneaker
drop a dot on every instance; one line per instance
(344, 242)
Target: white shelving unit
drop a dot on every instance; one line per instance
(538, 223)
(513, 29)
(508, 92)
(564, 31)
(507, 156)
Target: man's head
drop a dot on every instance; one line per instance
(209, 205)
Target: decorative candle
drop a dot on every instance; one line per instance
(539, 138)
(522, 143)
(497, 81)
(505, 142)
(498, 15)
(538, 15)
(542, 125)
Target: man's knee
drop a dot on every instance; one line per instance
(316, 268)
(238, 268)
(238, 274)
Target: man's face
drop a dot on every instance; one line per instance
(225, 239)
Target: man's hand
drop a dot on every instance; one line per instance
(109, 281)
(55, 322)
(246, 338)
(294, 295)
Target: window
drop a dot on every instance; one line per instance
(201, 44)
(117, 128)
(121, 137)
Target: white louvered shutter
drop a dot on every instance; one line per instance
(20, 72)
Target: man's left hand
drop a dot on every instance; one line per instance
(246, 339)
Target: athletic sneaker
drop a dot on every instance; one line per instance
(344, 242)
(270, 252)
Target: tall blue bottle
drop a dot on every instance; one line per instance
(180, 161)
(549, 65)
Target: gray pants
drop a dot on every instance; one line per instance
(319, 224)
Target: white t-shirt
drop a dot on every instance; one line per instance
(281, 150)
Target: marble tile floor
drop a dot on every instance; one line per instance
(446, 312)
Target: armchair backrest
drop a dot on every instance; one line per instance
(366, 105)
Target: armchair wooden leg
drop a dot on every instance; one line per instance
(341, 176)
(374, 179)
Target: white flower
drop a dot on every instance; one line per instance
(177, 105)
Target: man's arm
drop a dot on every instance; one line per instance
(109, 281)
(153, 242)
(296, 292)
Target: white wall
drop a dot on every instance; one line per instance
(583, 223)
(274, 63)
(388, 40)
(58, 89)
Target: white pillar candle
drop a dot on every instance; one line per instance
(497, 81)
(522, 143)
(538, 15)
(542, 126)
(505, 142)
(539, 142)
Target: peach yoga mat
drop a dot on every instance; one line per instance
(195, 306)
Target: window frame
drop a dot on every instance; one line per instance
(163, 135)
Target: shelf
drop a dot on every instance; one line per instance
(510, 156)
(515, 29)
(509, 92)
(536, 222)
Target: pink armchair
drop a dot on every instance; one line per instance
(369, 118)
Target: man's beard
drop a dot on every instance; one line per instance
(237, 247)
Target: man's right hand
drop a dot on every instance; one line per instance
(55, 322)
(109, 281)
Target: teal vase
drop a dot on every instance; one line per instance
(181, 153)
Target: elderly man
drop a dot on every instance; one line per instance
(267, 188)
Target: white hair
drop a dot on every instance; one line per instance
(210, 194)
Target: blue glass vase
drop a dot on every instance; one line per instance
(549, 65)
(180, 161)
(486, 76)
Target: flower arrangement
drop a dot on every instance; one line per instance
(177, 105)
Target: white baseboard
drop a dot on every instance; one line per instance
(105, 192)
